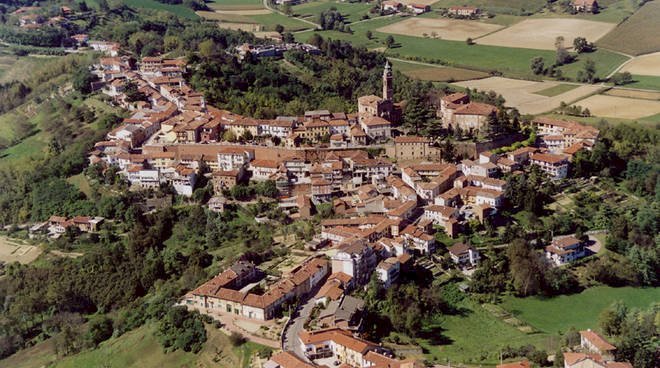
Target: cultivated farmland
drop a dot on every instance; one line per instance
(644, 65)
(12, 251)
(620, 107)
(446, 29)
(435, 73)
(235, 4)
(524, 95)
(541, 33)
(638, 34)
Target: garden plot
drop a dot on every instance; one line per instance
(644, 65)
(11, 251)
(541, 33)
(446, 29)
(522, 95)
(620, 107)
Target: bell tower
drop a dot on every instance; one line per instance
(387, 82)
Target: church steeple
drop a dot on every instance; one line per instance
(387, 82)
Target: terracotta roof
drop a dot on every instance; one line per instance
(411, 139)
(571, 358)
(340, 337)
(373, 121)
(475, 108)
(287, 360)
(521, 364)
(455, 97)
(459, 248)
(548, 158)
(597, 341)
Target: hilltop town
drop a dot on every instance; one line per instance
(322, 183)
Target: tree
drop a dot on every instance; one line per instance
(621, 78)
(279, 28)
(469, 41)
(526, 267)
(537, 65)
(389, 41)
(104, 6)
(581, 45)
(99, 330)
(207, 48)
(611, 319)
(82, 80)
(286, 9)
(588, 74)
(182, 329)
(369, 34)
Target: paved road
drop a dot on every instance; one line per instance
(291, 336)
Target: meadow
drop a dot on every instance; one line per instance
(178, 9)
(351, 11)
(474, 337)
(645, 82)
(235, 4)
(581, 311)
(139, 348)
(638, 34)
(269, 21)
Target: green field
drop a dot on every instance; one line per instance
(434, 73)
(513, 62)
(580, 310)
(645, 82)
(557, 90)
(638, 34)
(476, 337)
(351, 11)
(139, 348)
(178, 9)
(235, 4)
(269, 21)
(606, 62)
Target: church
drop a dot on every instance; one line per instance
(376, 114)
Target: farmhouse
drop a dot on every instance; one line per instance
(391, 6)
(465, 11)
(419, 8)
(458, 112)
(590, 6)
(593, 342)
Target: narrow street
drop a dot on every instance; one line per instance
(291, 335)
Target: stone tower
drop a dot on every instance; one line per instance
(387, 82)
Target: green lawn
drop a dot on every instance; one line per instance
(271, 20)
(580, 310)
(179, 9)
(606, 62)
(351, 11)
(235, 4)
(475, 337)
(557, 90)
(645, 82)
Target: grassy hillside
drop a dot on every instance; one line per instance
(580, 310)
(351, 11)
(178, 9)
(139, 348)
(638, 34)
